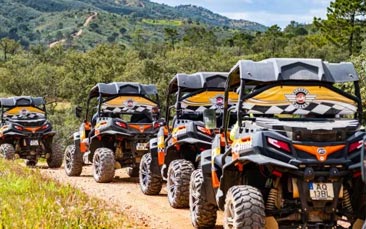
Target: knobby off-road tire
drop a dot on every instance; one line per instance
(103, 164)
(56, 157)
(133, 171)
(179, 175)
(7, 151)
(73, 161)
(203, 213)
(244, 208)
(150, 183)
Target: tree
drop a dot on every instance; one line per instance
(343, 25)
(273, 35)
(171, 35)
(8, 46)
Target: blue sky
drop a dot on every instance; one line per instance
(267, 12)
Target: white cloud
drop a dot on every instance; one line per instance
(281, 19)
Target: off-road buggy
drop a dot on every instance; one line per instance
(174, 154)
(295, 160)
(26, 133)
(118, 133)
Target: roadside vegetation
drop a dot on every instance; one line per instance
(28, 200)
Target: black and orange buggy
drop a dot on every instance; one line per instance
(118, 133)
(194, 111)
(26, 133)
(295, 160)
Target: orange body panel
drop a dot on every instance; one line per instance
(140, 128)
(215, 180)
(33, 129)
(320, 152)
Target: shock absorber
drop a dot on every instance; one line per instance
(347, 201)
(272, 199)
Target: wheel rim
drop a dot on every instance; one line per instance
(97, 164)
(172, 185)
(144, 173)
(68, 160)
(194, 198)
(229, 216)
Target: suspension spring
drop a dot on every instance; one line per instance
(347, 201)
(272, 198)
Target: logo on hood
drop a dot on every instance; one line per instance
(300, 98)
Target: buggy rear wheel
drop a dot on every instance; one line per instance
(244, 208)
(7, 151)
(203, 213)
(73, 161)
(150, 183)
(103, 164)
(56, 157)
(179, 175)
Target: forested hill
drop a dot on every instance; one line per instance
(46, 21)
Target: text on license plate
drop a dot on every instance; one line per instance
(34, 142)
(321, 191)
(142, 146)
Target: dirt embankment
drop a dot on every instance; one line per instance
(124, 194)
(78, 33)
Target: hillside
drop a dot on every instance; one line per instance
(47, 21)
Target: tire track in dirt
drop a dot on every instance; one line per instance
(124, 193)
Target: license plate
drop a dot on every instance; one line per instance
(34, 142)
(321, 191)
(142, 146)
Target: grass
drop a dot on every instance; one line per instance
(27, 200)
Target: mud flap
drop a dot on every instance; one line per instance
(154, 166)
(160, 147)
(208, 191)
(363, 161)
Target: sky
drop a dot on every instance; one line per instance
(266, 12)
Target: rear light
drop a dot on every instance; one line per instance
(45, 126)
(279, 144)
(355, 146)
(204, 130)
(121, 124)
(156, 125)
(18, 127)
(277, 173)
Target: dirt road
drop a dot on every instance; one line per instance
(78, 33)
(125, 194)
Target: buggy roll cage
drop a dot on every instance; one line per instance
(22, 101)
(286, 71)
(194, 83)
(109, 91)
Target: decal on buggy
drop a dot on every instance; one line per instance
(23, 111)
(316, 100)
(207, 100)
(129, 102)
(300, 98)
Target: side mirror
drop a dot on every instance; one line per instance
(78, 111)
(209, 118)
(159, 123)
